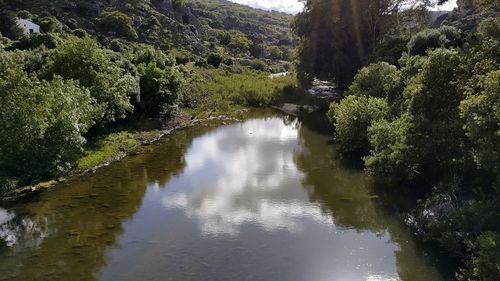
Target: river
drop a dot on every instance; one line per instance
(261, 199)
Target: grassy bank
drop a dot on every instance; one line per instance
(228, 91)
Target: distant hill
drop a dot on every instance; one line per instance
(194, 26)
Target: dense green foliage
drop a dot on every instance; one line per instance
(160, 89)
(194, 27)
(85, 61)
(445, 37)
(42, 122)
(439, 130)
(99, 62)
(117, 23)
(352, 117)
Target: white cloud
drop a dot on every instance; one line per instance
(448, 6)
(286, 6)
(295, 6)
(247, 179)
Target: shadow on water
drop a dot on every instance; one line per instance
(356, 200)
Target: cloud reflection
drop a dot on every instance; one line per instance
(250, 178)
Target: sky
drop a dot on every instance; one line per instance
(295, 6)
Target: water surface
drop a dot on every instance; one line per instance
(263, 199)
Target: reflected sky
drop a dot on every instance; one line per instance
(263, 199)
(249, 177)
(241, 209)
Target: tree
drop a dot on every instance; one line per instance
(41, 122)
(390, 153)
(338, 36)
(49, 24)
(160, 88)
(481, 115)
(235, 40)
(83, 60)
(428, 39)
(274, 52)
(490, 27)
(376, 80)
(118, 23)
(351, 119)
(427, 138)
(8, 25)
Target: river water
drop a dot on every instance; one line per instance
(262, 199)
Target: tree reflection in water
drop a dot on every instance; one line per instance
(262, 199)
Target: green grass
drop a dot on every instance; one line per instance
(219, 91)
(106, 149)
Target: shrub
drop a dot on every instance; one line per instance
(80, 33)
(376, 80)
(8, 25)
(484, 263)
(490, 28)
(178, 4)
(42, 123)
(481, 115)
(257, 64)
(391, 49)
(235, 40)
(274, 52)
(83, 60)
(433, 99)
(117, 23)
(160, 88)
(214, 59)
(49, 24)
(351, 118)
(391, 155)
(36, 40)
(445, 36)
(150, 54)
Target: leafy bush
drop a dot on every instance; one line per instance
(376, 80)
(433, 101)
(117, 23)
(351, 118)
(490, 28)
(214, 59)
(485, 261)
(49, 24)
(390, 154)
(83, 60)
(235, 40)
(160, 88)
(257, 64)
(391, 49)
(42, 123)
(8, 25)
(36, 40)
(445, 37)
(178, 4)
(274, 52)
(481, 115)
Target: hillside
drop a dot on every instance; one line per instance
(197, 27)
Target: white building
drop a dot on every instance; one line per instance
(28, 27)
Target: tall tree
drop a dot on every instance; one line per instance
(338, 36)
